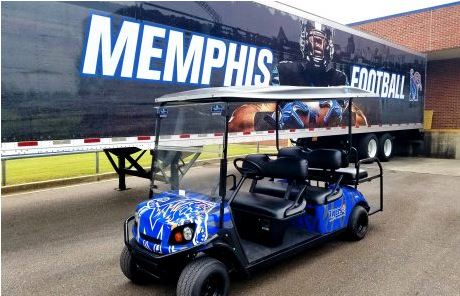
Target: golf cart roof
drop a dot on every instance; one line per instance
(264, 94)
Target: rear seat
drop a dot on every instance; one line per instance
(349, 174)
(334, 161)
(323, 164)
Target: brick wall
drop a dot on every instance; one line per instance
(425, 31)
(428, 31)
(443, 93)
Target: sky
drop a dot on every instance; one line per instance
(350, 11)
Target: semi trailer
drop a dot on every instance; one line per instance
(82, 76)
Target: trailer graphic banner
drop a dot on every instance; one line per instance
(384, 84)
(78, 70)
(143, 44)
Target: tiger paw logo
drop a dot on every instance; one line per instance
(337, 213)
(415, 86)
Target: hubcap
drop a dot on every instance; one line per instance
(212, 286)
(372, 148)
(387, 147)
(362, 224)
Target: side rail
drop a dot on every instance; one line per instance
(371, 160)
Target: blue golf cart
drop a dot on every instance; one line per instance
(265, 207)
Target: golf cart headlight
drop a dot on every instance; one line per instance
(188, 233)
(182, 234)
(136, 217)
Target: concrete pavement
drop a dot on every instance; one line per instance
(67, 241)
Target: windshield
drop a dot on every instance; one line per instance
(190, 147)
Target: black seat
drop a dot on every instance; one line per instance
(267, 206)
(257, 166)
(274, 188)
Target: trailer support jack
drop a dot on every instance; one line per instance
(176, 162)
(123, 155)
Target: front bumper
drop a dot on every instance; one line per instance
(160, 265)
(157, 265)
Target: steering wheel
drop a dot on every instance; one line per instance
(253, 169)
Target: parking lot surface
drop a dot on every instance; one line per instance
(67, 241)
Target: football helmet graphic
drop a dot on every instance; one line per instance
(316, 44)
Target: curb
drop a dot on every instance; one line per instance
(26, 187)
(18, 188)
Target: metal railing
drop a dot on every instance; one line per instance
(94, 168)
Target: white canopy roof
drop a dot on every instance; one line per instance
(265, 93)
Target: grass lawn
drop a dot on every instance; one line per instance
(28, 170)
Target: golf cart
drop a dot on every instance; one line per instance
(273, 206)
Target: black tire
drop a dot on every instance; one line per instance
(130, 269)
(203, 276)
(358, 224)
(364, 146)
(386, 147)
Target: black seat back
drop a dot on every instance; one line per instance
(330, 159)
(286, 168)
(293, 152)
(289, 168)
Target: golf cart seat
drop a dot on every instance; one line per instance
(264, 218)
(259, 204)
(274, 188)
(267, 206)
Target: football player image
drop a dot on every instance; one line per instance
(314, 69)
(317, 49)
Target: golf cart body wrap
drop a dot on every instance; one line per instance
(159, 216)
(332, 216)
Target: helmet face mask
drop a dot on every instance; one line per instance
(316, 44)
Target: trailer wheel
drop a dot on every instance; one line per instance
(386, 147)
(203, 276)
(368, 146)
(358, 224)
(130, 269)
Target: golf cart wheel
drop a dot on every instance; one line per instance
(386, 147)
(368, 146)
(358, 223)
(202, 277)
(130, 269)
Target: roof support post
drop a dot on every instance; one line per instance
(350, 119)
(223, 169)
(154, 164)
(277, 124)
